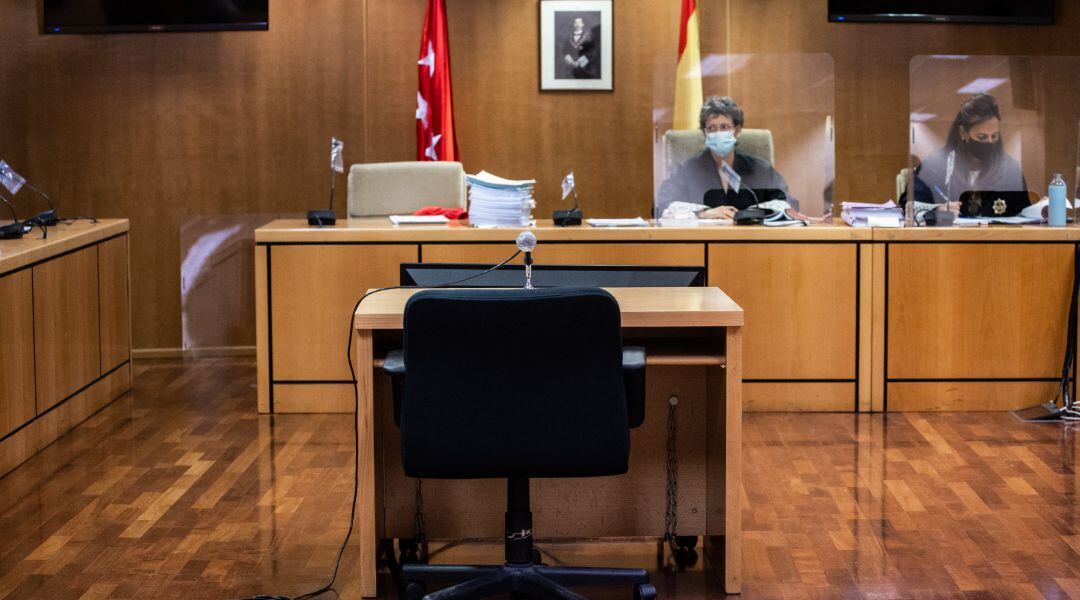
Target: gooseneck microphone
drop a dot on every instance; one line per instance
(15, 229)
(47, 218)
(526, 242)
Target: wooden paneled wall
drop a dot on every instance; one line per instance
(161, 127)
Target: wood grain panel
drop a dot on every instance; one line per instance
(262, 328)
(66, 336)
(800, 306)
(114, 295)
(877, 310)
(364, 521)
(313, 290)
(866, 327)
(964, 395)
(16, 254)
(47, 428)
(958, 311)
(16, 351)
(800, 396)
(313, 398)
(651, 254)
(646, 308)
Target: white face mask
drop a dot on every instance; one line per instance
(721, 143)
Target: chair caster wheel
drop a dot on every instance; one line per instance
(415, 591)
(644, 591)
(686, 542)
(409, 552)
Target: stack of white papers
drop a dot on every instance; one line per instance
(868, 214)
(498, 202)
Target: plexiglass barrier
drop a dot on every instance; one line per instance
(776, 108)
(217, 275)
(987, 136)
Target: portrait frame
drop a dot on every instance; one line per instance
(577, 56)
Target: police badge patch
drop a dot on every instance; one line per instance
(1000, 206)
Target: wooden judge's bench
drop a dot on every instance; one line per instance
(837, 319)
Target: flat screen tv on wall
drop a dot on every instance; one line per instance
(124, 16)
(1035, 12)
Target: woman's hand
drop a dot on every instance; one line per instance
(720, 212)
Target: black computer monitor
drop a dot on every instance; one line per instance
(612, 276)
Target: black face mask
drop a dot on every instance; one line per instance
(983, 151)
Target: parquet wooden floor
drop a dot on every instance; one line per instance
(180, 490)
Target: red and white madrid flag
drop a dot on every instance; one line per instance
(435, 135)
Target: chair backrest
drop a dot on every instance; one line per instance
(901, 185)
(513, 383)
(683, 144)
(403, 187)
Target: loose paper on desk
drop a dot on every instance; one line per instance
(418, 219)
(635, 222)
(857, 214)
(886, 221)
(1036, 213)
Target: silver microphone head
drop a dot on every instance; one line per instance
(526, 241)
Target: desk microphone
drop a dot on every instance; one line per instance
(526, 242)
(16, 229)
(47, 218)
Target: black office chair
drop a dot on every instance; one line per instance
(516, 384)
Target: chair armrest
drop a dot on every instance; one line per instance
(634, 384)
(394, 366)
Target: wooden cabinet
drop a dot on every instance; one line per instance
(64, 335)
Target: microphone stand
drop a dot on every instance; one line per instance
(528, 270)
(321, 218)
(47, 218)
(566, 218)
(13, 230)
(526, 242)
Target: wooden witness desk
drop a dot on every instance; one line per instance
(682, 329)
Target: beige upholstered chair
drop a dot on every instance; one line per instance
(399, 188)
(902, 179)
(683, 144)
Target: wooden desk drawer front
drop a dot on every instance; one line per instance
(800, 302)
(313, 290)
(66, 333)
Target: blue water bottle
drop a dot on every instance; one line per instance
(1056, 218)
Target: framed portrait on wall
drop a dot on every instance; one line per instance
(575, 45)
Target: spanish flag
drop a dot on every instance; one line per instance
(688, 95)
